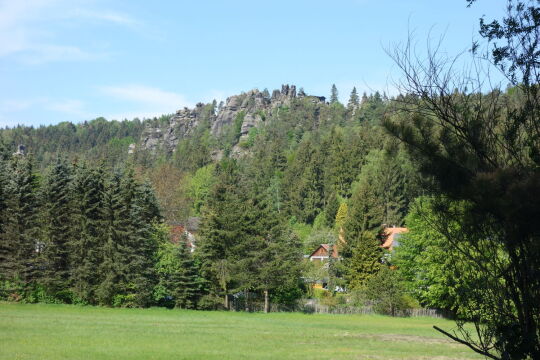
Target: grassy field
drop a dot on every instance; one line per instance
(73, 332)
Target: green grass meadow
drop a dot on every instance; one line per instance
(78, 332)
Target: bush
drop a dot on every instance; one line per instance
(387, 293)
(210, 302)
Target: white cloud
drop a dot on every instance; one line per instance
(150, 97)
(108, 16)
(71, 107)
(24, 29)
(40, 54)
(68, 106)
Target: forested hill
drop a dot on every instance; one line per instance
(227, 129)
(310, 151)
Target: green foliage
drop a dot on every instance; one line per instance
(199, 187)
(179, 283)
(56, 226)
(334, 95)
(362, 260)
(331, 210)
(387, 292)
(250, 141)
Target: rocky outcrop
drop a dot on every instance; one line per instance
(254, 105)
(180, 125)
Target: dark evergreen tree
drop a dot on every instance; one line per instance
(57, 229)
(6, 247)
(186, 288)
(334, 98)
(330, 212)
(354, 101)
(221, 230)
(112, 271)
(140, 247)
(87, 243)
(305, 184)
(21, 228)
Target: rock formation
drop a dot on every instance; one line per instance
(254, 105)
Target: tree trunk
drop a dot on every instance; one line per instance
(266, 302)
(247, 300)
(226, 301)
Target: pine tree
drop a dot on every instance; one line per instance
(365, 260)
(334, 95)
(86, 245)
(305, 178)
(141, 248)
(186, 283)
(21, 228)
(354, 101)
(271, 255)
(221, 230)
(112, 271)
(6, 249)
(57, 229)
(331, 210)
(362, 251)
(341, 215)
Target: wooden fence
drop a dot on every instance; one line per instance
(313, 306)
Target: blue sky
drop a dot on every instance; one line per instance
(70, 60)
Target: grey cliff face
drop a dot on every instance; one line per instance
(254, 105)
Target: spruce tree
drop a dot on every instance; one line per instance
(21, 228)
(6, 249)
(271, 254)
(361, 251)
(57, 229)
(112, 287)
(331, 210)
(334, 99)
(140, 247)
(354, 101)
(364, 261)
(221, 230)
(86, 245)
(185, 278)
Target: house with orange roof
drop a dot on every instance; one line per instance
(390, 237)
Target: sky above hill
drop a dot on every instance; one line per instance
(70, 60)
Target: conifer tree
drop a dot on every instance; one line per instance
(362, 252)
(341, 215)
(364, 261)
(185, 278)
(334, 95)
(86, 245)
(112, 286)
(140, 248)
(354, 101)
(21, 228)
(57, 229)
(271, 254)
(6, 250)
(305, 179)
(331, 210)
(221, 230)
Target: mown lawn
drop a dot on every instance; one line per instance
(76, 332)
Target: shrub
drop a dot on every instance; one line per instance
(387, 292)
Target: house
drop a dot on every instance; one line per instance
(321, 253)
(390, 237)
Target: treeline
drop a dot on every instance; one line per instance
(93, 141)
(76, 234)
